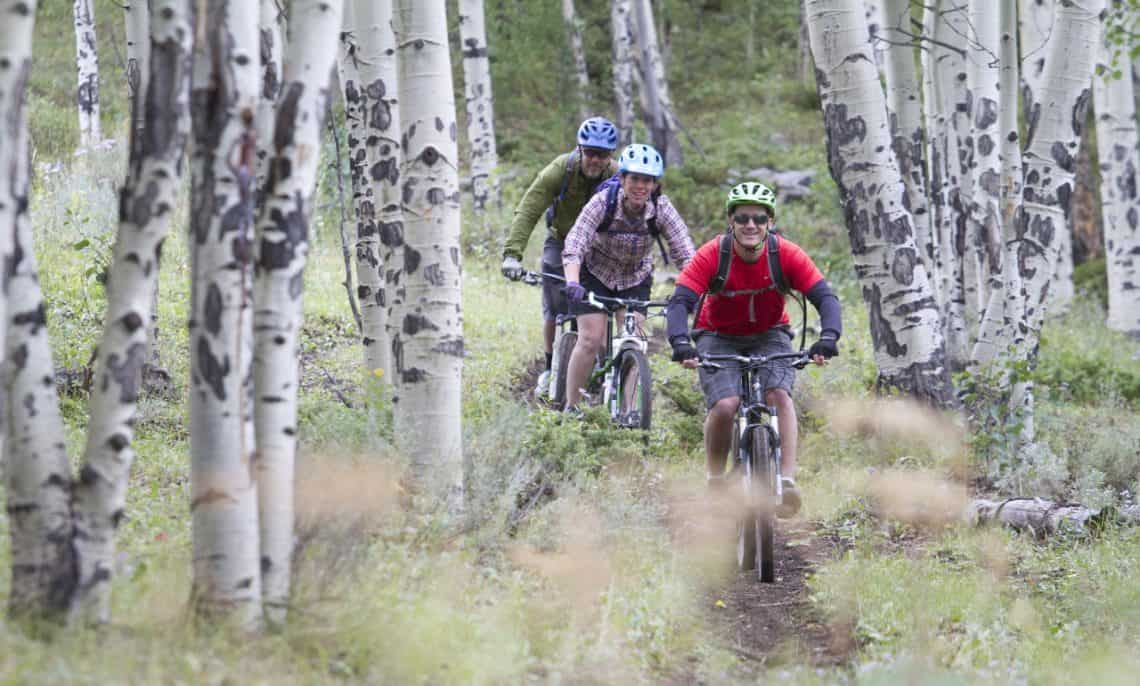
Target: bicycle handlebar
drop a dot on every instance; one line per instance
(599, 301)
(752, 361)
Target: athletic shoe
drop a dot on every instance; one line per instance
(543, 384)
(791, 502)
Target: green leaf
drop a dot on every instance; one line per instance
(81, 243)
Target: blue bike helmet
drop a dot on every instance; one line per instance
(640, 158)
(598, 132)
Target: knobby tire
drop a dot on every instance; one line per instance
(634, 380)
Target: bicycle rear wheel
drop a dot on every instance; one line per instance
(746, 524)
(566, 345)
(764, 478)
(633, 390)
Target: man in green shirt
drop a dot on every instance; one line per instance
(561, 189)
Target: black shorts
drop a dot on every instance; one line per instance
(553, 299)
(591, 283)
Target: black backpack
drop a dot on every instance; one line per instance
(779, 280)
(610, 187)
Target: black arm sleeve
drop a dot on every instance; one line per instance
(825, 302)
(681, 305)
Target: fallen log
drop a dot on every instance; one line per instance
(1043, 517)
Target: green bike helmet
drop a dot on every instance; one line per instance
(751, 193)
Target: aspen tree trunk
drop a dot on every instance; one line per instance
(905, 326)
(1116, 137)
(1003, 309)
(944, 94)
(1035, 24)
(660, 118)
(283, 244)
(874, 13)
(574, 32)
(37, 475)
(620, 22)
(272, 44)
(87, 63)
(376, 171)
(147, 201)
(984, 98)
(934, 157)
(908, 135)
(480, 103)
(1049, 159)
(223, 506)
(138, 48)
(428, 349)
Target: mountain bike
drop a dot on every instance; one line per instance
(621, 373)
(755, 468)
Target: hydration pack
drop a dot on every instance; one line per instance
(610, 187)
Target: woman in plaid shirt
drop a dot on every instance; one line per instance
(618, 262)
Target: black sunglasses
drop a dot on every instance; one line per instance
(596, 153)
(742, 219)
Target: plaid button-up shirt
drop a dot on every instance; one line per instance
(621, 257)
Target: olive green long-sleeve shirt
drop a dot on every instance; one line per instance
(541, 195)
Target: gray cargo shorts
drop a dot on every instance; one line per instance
(718, 384)
(553, 299)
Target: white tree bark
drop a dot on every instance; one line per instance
(1002, 310)
(1049, 158)
(620, 22)
(369, 77)
(1035, 24)
(138, 48)
(875, 13)
(944, 94)
(37, 475)
(272, 32)
(574, 33)
(984, 98)
(908, 134)
(226, 85)
(659, 115)
(87, 63)
(148, 198)
(480, 103)
(1044, 518)
(282, 246)
(1116, 137)
(905, 326)
(428, 348)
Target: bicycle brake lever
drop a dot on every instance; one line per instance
(594, 301)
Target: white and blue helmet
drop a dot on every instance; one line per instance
(598, 132)
(640, 158)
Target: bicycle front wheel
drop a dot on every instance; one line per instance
(764, 474)
(633, 392)
(566, 345)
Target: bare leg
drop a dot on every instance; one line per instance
(591, 338)
(718, 434)
(548, 336)
(786, 419)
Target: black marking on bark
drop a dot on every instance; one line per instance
(990, 182)
(409, 190)
(985, 144)
(433, 274)
(117, 442)
(413, 375)
(1081, 111)
(452, 347)
(127, 373)
(20, 356)
(242, 60)
(387, 169)
(986, 113)
(415, 323)
(34, 318)
(411, 260)
(296, 285)
(293, 231)
(454, 131)
(286, 118)
(30, 405)
(131, 321)
(269, 83)
(430, 156)
(436, 196)
(212, 309)
(246, 582)
(117, 518)
(1133, 218)
(903, 264)
(88, 476)
(380, 115)
(454, 253)
(881, 332)
(213, 372)
(1062, 157)
(266, 564)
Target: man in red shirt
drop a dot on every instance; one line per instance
(747, 317)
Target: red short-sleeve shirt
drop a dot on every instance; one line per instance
(747, 314)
